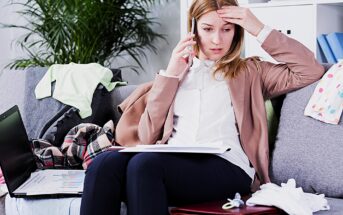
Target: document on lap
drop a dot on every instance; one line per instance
(194, 148)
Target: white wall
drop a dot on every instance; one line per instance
(169, 18)
(168, 14)
(8, 49)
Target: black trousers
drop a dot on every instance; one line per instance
(151, 182)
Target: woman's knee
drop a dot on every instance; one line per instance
(108, 162)
(144, 164)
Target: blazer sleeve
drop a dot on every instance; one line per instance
(160, 98)
(299, 67)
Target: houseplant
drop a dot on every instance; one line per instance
(84, 31)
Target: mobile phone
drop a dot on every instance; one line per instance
(218, 5)
(190, 60)
(193, 26)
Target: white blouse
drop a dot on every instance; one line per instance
(203, 114)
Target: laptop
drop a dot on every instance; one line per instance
(18, 164)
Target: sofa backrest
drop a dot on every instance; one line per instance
(118, 95)
(17, 88)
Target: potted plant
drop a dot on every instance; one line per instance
(84, 31)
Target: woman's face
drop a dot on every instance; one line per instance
(215, 36)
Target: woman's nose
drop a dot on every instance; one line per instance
(216, 38)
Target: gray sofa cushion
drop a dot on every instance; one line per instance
(37, 112)
(118, 95)
(336, 207)
(306, 149)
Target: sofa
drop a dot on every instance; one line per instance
(301, 148)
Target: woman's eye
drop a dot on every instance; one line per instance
(207, 29)
(227, 29)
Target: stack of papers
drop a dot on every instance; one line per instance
(206, 149)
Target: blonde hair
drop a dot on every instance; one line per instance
(231, 64)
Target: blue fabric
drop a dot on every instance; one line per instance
(158, 180)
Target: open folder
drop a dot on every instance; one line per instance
(19, 168)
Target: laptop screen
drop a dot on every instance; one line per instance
(16, 157)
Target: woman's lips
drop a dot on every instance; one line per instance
(216, 51)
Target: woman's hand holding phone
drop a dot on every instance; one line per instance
(181, 54)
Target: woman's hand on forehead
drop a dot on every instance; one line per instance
(241, 16)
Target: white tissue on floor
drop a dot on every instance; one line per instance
(289, 198)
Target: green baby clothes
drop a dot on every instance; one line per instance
(75, 84)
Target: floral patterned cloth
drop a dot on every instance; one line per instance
(326, 103)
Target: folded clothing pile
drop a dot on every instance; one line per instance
(289, 198)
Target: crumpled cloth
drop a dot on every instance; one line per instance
(2, 180)
(326, 102)
(81, 145)
(288, 198)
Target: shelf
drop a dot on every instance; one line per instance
(302, 20)
(338, 2)
(278, 3)
(293, 3)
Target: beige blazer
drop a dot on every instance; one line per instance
(148, 112)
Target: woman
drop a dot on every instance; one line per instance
(219, 99)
